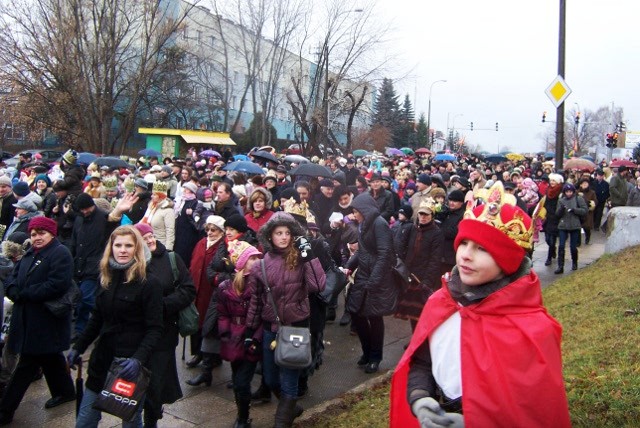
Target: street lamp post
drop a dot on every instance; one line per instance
(429, 108)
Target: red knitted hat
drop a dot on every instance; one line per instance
(43, 223)
(502, 229)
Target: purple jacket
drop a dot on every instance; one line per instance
(290, 288)
(232, 315)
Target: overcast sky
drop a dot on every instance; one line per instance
(499, 56)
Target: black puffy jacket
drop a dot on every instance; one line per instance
(373, 292)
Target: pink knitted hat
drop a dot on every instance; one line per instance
(240, 252)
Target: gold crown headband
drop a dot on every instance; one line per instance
(494, 200)
(160, 186)
(292, 207)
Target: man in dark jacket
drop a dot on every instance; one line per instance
(449, 227)
(601, 187)
(373, 293)
(73, 172)
(91, 229)
(138, 209)
(325, 203)
(351, 172)
(7, 199)
(383, 197)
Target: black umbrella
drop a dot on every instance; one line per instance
(497, 158)
(79, 387)
(244, 166)
(111, 161)
(264, 156)
(312, 170)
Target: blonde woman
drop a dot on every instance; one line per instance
(160, 215)
(126, 320)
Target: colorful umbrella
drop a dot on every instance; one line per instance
(623, 162)
(515, 157)
(392, 151)
(241, 158)
(360, 153)
(210, 154)
(423, 151)
(580, 164)
(407, 151)
(445, 157)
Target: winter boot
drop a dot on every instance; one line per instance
(204, 377)
(303, 386)
(242, 421)
(285, 413)
(574, 259)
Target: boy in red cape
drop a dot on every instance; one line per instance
(485, 352)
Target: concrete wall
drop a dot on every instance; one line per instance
(623, 229)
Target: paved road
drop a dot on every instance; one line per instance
(214, 407)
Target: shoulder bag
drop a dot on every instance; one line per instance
(292, 344)
(62, 306)
(188, 317)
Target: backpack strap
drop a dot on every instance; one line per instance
(174, 266)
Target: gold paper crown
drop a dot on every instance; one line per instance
(110, 183)
(310, 218)
(129, 185)
(160, 187)
(429, 204)
(297, 208)
(494, 200)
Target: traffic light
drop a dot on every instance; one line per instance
(612, 140)
(544, 116)
(496, 126)
(622, 127)
(577, 118)
(472, 126)
(433, 137)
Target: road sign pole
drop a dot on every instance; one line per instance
(560, 109)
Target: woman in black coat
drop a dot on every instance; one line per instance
(177, 294)
(421, 253)
(187, 233)
(44, 273)
(127, 320)
(373, 293)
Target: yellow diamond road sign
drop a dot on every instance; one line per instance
(558, 91)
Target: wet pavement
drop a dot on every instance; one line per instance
(214, 407)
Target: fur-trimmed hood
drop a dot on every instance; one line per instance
(268, 197)
(278, 219)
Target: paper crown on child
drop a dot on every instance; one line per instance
(500, 227)
(129, 184)
(110, 183)
(296, 208)
(160, 187)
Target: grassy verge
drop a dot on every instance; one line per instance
(599, 309)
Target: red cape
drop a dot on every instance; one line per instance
(510, 357)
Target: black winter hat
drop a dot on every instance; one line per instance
(456, 195)
(21, 188)
(406, 210)
(84, 200)
(237, 222)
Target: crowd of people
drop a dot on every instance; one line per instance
(117, 232)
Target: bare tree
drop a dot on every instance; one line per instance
(86, 64)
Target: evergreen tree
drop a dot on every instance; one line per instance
(422, 133)
(253, 135)
(406, 135)
(387, 109)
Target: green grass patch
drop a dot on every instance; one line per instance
(599, 309)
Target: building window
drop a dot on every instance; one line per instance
(199, 37)
(185, 34)
(212, 40)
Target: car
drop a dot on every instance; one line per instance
(48, 156)
(293, 149)
(6, 155)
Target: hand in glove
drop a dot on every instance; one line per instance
(304, 248)
(130, 369)
(73, 358)
(430, 414)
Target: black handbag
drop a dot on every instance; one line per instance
(120, 397)
(292, 344)
(65, 304)
(188, 318)
(401, 275)
(336, 282)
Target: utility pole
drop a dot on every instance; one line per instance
(560, 109)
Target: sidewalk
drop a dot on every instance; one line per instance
(214, 406)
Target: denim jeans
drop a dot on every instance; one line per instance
(277, 378)
(242, 374)
(88, 417)
(574, 236)
(88, 289)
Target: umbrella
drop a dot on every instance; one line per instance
(268, 149)
(296, 159)
(241, 158)
(622, 162)
(496, 158)
(360, 153)
(264, 156)
(423, 151)
(85, 158)
(549, 155)
(244, 166)
(407, 151)
(149, 152)
(589, 157)
(111, 161)
(312, 170)
(580, 164)
(79, 387)
(514, 157)
(392, 151)
(445, 157)
(210, 154)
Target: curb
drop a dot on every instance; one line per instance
(323, 407)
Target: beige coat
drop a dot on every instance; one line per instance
(163, 223)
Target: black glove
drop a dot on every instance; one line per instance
(130, 369)
(304, 248)
(225, 336)
(254, 348)
(13, 294)
(73, 358)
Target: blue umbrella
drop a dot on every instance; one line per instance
(445, 157)
(149, 153)
(497, 158)
(241, 158)
(85, 158)
(244, 166)
(549, 155)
